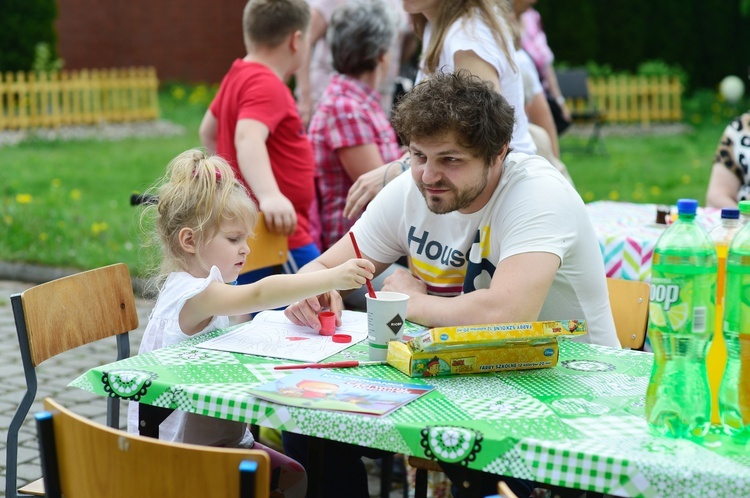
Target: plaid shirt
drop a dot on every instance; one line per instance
(348, 114)
(534, 42)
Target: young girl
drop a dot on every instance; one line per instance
(202, 220)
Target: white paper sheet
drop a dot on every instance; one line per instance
(271, 334)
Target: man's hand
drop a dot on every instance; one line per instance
(279, 212)
(305, 312)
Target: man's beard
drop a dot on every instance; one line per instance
(443, 204)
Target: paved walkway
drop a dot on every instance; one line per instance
(54, 375)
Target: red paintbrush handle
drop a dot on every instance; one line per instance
(370, 289)
(335, 364)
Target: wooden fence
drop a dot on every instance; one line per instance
(632, 99)
(77, 97)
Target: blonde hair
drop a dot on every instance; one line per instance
(197, 192)
(492, 12)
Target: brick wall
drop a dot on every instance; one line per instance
(187, 40)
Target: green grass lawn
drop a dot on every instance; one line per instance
(650, 169)
(67, 203)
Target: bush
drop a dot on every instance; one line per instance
(23, 25)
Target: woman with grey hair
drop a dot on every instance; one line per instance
(349, 130)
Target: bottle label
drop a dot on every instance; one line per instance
(681, 303)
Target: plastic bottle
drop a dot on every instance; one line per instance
(734, 394)
(744, 212)
(716, 359)
(681, 322)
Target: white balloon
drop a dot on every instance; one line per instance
(732, 88)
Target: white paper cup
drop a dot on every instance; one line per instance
(385, 321)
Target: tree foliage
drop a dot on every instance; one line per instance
(23, 25)
(709, 39)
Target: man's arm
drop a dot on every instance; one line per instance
(252, 156)
(305, 312)
(516, 294)
(207, 132)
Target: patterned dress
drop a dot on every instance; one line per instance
(734, 153)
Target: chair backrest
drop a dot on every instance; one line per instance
(629, 302)
(266, 248)
(573, 83)
(63, 314)
(79, 309)
(83, 459)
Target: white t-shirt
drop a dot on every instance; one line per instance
(533, 209)
(473, 34)
(163, 330)
(531, 83)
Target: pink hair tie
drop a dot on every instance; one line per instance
(216, 170)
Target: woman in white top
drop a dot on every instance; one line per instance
(473, 35)
(458, 34)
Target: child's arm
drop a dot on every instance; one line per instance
(207, 132)
(252, 156)
(270, 292)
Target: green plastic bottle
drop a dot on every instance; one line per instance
(681, 325)
(744, 212)
(734, 393)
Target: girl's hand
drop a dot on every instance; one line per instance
(352, 274)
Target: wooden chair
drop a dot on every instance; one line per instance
(83, 459)
(422, 466)
(629, 302)
(503, 491)
(574, 86)
(60, 315)
(266, 248)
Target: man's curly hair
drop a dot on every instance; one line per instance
(456, 102)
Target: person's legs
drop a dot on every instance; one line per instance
(342, 472)
(469, 483)
(288, 477)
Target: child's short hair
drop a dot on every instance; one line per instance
(269, 22)
(197, 192)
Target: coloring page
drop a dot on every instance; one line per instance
(271, 334)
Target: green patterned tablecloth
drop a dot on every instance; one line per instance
(579, 425)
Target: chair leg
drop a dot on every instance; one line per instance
(420, 484)
(595, 137)
(11, 460)
(386, 475)
(48, 454)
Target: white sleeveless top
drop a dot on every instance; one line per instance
(163, 330)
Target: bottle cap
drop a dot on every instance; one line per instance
(687, 206)
(730, 214)
(745, 207)
(341, 338)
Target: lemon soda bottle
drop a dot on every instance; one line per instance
(734, 394)
(681, 326)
